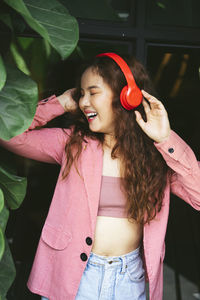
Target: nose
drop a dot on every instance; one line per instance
(84, 101)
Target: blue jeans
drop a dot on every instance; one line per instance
(112, 278)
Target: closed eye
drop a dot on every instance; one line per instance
(94, 92)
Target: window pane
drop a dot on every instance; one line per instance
(175, 73)
(63, 74)
(107, 10)
(90, 48)
(180, 13)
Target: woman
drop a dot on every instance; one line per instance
(108, 217)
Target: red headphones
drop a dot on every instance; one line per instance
(131, 96)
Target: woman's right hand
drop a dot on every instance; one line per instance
(67, 101)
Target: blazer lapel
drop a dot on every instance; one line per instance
(91, 164)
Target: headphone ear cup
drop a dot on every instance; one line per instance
(130, 98)
(123, 98)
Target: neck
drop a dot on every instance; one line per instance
(109, 141)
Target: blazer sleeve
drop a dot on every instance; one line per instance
(185, 181)
(46, 144)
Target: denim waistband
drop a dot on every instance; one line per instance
(114, 261)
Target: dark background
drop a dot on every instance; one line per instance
(165, 36)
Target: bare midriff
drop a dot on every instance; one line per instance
(116, 236)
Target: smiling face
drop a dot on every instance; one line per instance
(96, 102)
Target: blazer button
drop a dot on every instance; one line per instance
(88, 240)
(171, 150)
(83, 256)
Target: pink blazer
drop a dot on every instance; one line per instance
(65, 241)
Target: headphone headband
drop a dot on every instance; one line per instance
(122, 64)
(130, 96)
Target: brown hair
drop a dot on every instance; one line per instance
(143, 169)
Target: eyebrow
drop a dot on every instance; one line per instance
(92, 87)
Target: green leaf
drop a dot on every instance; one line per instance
(2, 73)
(4, 215)
(3, 222)
(1, 200)
(19, 60)
(2, 244)
(52, 21)
(25, 42)
(98, 10)
(13, 187)
(18, 101)
(8, 160)
(161, 5)
(7, 271)
(6, 19)
(21, 8)
(37, 58)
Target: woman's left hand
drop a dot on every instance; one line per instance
(157, 126)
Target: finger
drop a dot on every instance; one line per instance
(149, 97)
(154, 102)
(146, 94)
(139, 119)
(146, 106)
(156, 105)
(69, 91)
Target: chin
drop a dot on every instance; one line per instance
(97, 131)
(93, 129)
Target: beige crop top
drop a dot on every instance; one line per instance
(112, 200)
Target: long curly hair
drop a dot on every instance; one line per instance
(143, 170)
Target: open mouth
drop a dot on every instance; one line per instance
(91, 116)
